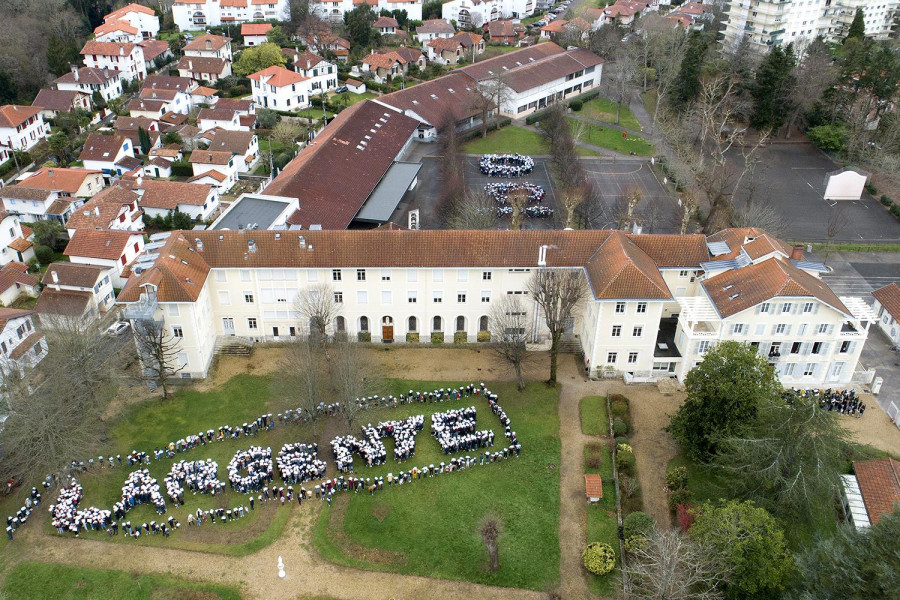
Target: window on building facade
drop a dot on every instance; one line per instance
(786, 308)
(385, 274)
(641, 307)
(845, 347)
(461, 297)
(248, 298)
(764, 307)
(703, 347)
(362, 297)
(364, 323)
(632, 358)
(817, 348)
(177, 331)
(780, 328)
(486, 275)
(620, 307)
(437, 297)
(808, 307)
(616, 330)
(335, 274)
(436, 324)
(612, 357)
(386, 297)
(809, 369)
(251, 322)
(338, 297)
(485, 296)
(437, 275)
(638, 331)
(360, 274)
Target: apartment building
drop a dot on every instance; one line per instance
(126, 58)
(198, 14)
(651, 312)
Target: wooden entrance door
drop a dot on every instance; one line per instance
(387, 330)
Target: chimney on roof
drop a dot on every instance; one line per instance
(797, 253)
(97, 210)
(199, 243)
(139, 182)
(75, 72)
(121, 50)
(251, 246)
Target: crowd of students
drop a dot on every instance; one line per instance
(200, 476)
(455, 431)
(843, 402)
(506, 165)
(500, 192)
(140, 488)
(15, 521)
(299, 462)
(532, 212)
(258, 463)
(65, 515)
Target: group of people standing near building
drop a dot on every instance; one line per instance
(506, 165)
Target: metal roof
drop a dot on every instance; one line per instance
(859, 516)
(389, 192)
(718, 248)
(741, 260)
(252, 212)
(810, 266)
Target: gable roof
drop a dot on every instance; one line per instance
(7, 314)
(620, 269)
(153, 48)
(361, 143)
(57, 178)
(491, 67)
(63, 303)
(879, 484)
(168, 195)
(277, 76)
(434, 102)
(57, 99)
(16, 273)
(178, 273)
(168, 82)
(97, 243)
(202, 64)
(115, 25)
(13, 115)
(556, 26)
(746, 237)
(72, 274)
(501, 28)
(739, 289)
(234, 104)
(434, 26)
(107, 48)
(101, 147)
(237, 142)
(300, 59)
(102, 209)
(215, 42)
(889, 298)
(20, 192)
(206, 157)
(382, 22)
(129, 8)
(89, 75)
(255, 28)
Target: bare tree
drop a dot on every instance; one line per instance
(518, 199)
(317, 309)
(301, 378)
(509, 333)
(631, 197)
(350, 375)
(666, 50)
(490, 533)
(568, 172)
(837, 221)
(476, 210)
(814, 74)
(762, 215)
(452, 167)
(489, 96)
(54, 409)
(158, 350)
(669, 566)
(558, 292)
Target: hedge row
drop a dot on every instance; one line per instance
(578, 101)
(476, 132)
(24, 159)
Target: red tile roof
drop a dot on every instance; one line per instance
(433, 101)
(620, 269)
(58, 178)
(7, 314)
(95, 243)
(60, 100)
(168, 195)
(73, 275)
(153, 48)
(202, 65)
(277, 76)
(107, 48)
(101, 147)
(255, 28)
(889, 298)
(16, 273)
(115, 25)
(128, 8)
(215, 42)
(593, 486)
(385, 22)
(108, 203)
(435, 26)
(89, 75)
(205, 157)
(13, 115)
(20, 245)
(63, 303)
(879, 484)
(501, 29)
(738, 237)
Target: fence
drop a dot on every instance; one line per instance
(894, 413)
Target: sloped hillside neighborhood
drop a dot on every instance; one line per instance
(283, 213)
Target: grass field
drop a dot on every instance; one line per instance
(430, 528)
(602, 524)
(513, 139)
(604, 109)
(350, 98)
(27, 581)
(593, 416)
(611, 139)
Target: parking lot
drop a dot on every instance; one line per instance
(657, 211)
(791, 179)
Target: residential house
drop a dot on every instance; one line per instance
(254, 34)
(87, 80)
(200, 68)
(219, 165)
(887, 310)
(127, 59)
(871, 492)
(155, 52)
(74, 291)
(116, 207)
(204, 95)
(142, 18)
(470, 14)
(553, 28)
(15, 242)
(159, 198)
(117, 31)
(129, 128)
(16, 281)
(200, 14)
(37, 204)
(158, 168)
(209, 46)
(433, 29)
(504, 32)
(174, 100)
(81, 183)
(210, 118)
(21, 346)
(243, 107)
(321, 73)
(691, 15)
(355, 87)
(383, 64)
(169, 82)
(413, 8)
(464, 46)
(334, 11)
(278, 88)
(107, 248)
(327, 44)
(243, 144)
(625, 12)
(21, 127)
(106, 153)
(53, 102)
(386, 25)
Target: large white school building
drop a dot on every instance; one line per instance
(656, 305)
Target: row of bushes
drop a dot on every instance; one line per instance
(891, 205)
(476, 133)
(437, 337)
(24, 159)
(578, 101)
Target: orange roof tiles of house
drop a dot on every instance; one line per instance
(107, 48)
(16, 273)
(21, 245)
(115, 25)
(738, 237)
(382, 22)
(56, 178)
(620, 269)
(557, 26)
(73, 274)
(128, 8)
(277, 76)
(435, 26)
(6, 314)
(255, 28)
(434, 101)
(202, 64)
(168, 82)
(13, 115)
(215, 42)
(168, 195)
(593, 486)
(96, 243)
(63, 303)
(204, 91)
(445, 44)
(739, 289)
(88, 75)
(101, 147)
(153, 48)
(889, 298)
(879, 484)
(206, 157)
(61, 100)
(580, 23)
(501, 29)
(102, 209)
(216, 114)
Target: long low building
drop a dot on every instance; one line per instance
(653, 309)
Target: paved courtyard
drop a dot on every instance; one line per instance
(791, 178)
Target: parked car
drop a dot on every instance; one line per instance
(118, 328)
(341, 89)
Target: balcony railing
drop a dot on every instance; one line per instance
(142, 310)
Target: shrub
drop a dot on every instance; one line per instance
(637, 523)
(886, 200)
(619, 405)
(625, 463)
(594, 461)
(870, 187)
(621, 441)
(599, 558)
(576, 105)
(624, 447)
(364, 336)
(831, 138)
(412, 338)
(895, 210)
(619, 427)
(44, 254)
(437, 337)
(685, 517)
(460, 337)
(677, 478)
(484, 336)
(677, 497)
(635, 543)
(182, 168)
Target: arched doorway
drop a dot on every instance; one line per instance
(436, 324)
(340, 324)
(460, 323)
(412, 325)
(483, 323)
(387, 329)
(364, 323)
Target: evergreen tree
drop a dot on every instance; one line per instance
(144, 140)
(687, 86)
(97, 100)
(857, 29)
(60, 55)
(359, 26)
(772, 88)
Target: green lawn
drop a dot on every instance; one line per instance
(602, 524)
(429, 528)
(312, 113)
(513, 139)
(611, 139)
(352, 98)
(604, 109)
(593, 416)
(27, 581)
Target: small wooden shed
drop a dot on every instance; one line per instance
(593, 487)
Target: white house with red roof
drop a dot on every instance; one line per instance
(433, 29)
(386, 25)
(106, 248)
(887, 310)
(88, 80)
(209, 46)
(36, 204)
(21, 127)
(117, 31)
(199, 14)
(15, 281)
(321, 73)
(140, 17)
(472, 13)
(21, 346)
(254, 34)
(334, 11)
(106, 152)
(280, 89)
(81, 183)
(126, 58)
(15, 245)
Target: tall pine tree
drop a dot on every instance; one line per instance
(771, 90)
(857, 29)
(687, 86)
